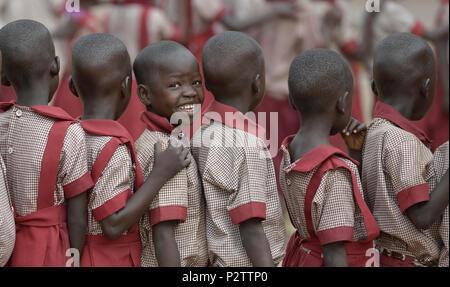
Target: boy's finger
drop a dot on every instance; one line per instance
(361, 127)
(187, 162)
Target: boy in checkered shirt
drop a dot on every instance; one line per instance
(44, 151)
(244, 219)
(397, 160)
(170, 85)
(7, 226)
(120, 196)
(320, 183)
(440, 166)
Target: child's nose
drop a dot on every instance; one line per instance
(189, 91)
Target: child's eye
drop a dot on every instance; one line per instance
(197, 83)
(175, 85)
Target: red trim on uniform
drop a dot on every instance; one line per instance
(156, 123)
(350, 47)
(315, 157)
(167, 213)
(112, 206)
(105, 128)
(389, 113)
(418, 29)
(103, 158)
(144, 37)
(245, 123)
(4, 106)
(338, 234)
(78, 186)
(248, 211)
(413, 195)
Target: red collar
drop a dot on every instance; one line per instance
(48, 111)
(105, 128)
(233, 118)
(388, 112)
(156, 123)
(313, 158)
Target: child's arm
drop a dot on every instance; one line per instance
(167, 164)
(424, 214)
(77, 220)
(255, 243)
(334, 255)
(441, 49)
(166, 247)
(282, 10)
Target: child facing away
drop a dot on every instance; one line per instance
(245, 225)
(170, 85)
(102, 79)
(320, 183)
(44, 151)
(7, 226)
(397, 160)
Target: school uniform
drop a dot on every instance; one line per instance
(116, 174)
(7, 226)
(44, 152)
(326, 205)
(180, 199)
(396, 171)
(440, 166)
(239, 184)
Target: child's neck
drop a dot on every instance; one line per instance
(240, 103)
(99, 110)
(315, 132)
(404, 105)
(35, 95)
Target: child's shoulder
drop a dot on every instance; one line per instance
(391, 135)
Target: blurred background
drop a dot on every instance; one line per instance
(284, 28)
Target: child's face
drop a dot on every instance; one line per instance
(178, 87)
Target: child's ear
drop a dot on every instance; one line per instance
(257, 85)
(126, 87)
(341, 103)
(144, 95)
(374, 87)
(72, 87)
(55, 67)
(292, 103)
(425, 89)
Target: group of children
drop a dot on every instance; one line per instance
(204, 195)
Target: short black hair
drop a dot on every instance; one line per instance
(100, 51)
(400, 60)
(27, 49)
(153, 56)
(315, 79)
(231, 58)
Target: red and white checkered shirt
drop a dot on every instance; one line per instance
(239, 184)
(440, 164)
(7, 226)
(115, 185)
(23, 139)
(180, 199)
(396, 170)
(335, 215)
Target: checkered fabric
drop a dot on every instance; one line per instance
(333, 205)
(239, 184)
(183, 191)
(396, 169)
(440, 164)
(116, 178)
(23, 138)
(7, 226)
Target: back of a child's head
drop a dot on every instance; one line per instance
(100, 64)
(316, 79)
(28, 54)
(232, 61)
(405, 66)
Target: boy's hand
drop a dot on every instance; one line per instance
(354, 135)
(172, 160)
